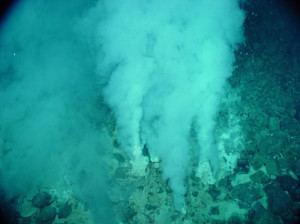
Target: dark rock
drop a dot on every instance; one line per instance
(174, 217)
(25, 220)
(252, 211)
(274, 123)
(296, 209)
(213, 192)
(264, 145)
(141, 187)
(64, 211)
(242, 166)
(295, 193)
(234, 219)
(196, 180)
(278, 201)
(290, 125)
(247, 77)
(286, 182)
(272, 167)
(195, 194)
(297, 167)
(263, 140)
(216, 221)
(128, 214)
(120, 192)
(246, 193)
(41, 200)
(297, 115)
(259, 215)
(214, 210)
(258, 161)
(150, 207)
(46, 215)
(259, 177)
(271, 144)
(261, 120)
(116, 144)
(121, 172)
(119, 157)
(257, 206)
(225, 183)
(145, 151)
(283, 165)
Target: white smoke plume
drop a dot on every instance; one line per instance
(169, 61)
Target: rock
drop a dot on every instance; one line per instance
(286, 182)
(195, 194)
(225, 183)
(295, 193)
(121, 172)
(259, 177)
(291, 111)
(64, 211)
(283, 165)
(278, 201)
(242, 166)
(265, 145)
(119, 157)
(274, 124)
(258, 161)
(247, 77)
(261, 135)
(214, 210)
(25, 220)
(150, 207)
(272, 168)
(251, 212)
(290, 159)
(121, 191)
(128, 214)
(295, 147)
(217, 221)
(297, 115)
(296, 208)
(116, 144)
(145, 151)
(46, 215)
(41, 200)
(246, 193)
(271, 144)
(261, 120)
(297, 167)
(213, 192)
(234, 219)
(259, 215)
(280, 140)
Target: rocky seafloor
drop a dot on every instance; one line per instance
(258, 138)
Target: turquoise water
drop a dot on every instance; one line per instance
(150, 112)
